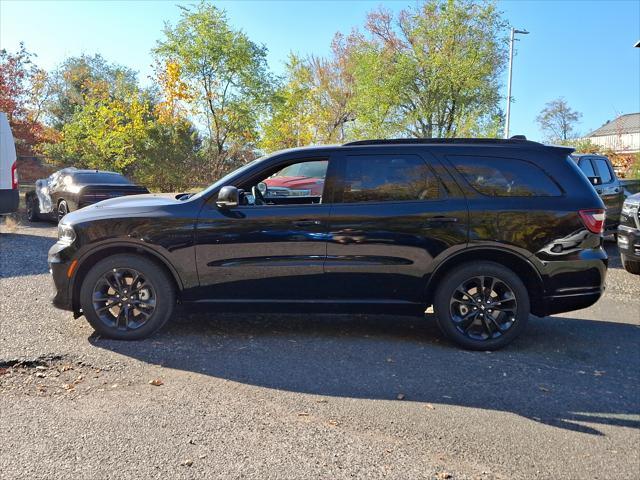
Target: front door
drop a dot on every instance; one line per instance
(390, 219)
(273, 246)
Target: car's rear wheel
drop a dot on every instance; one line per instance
(33, 209)
(481, 306)
(63, 209)
(127, 297)
(631, 266)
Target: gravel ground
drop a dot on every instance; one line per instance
(321, 396)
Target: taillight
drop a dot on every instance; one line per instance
(593, 219)
(14, 175)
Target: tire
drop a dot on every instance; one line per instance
(33, 210)
(154, 301)
(486, 328)
(631, 266)
(63, 209)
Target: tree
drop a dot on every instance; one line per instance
(312, 106)
(23, 89)
(434, 71)
(81, 78)
(225, 76)
(557, 120)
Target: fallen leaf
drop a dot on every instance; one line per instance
(543, 389)
(3, 371)
(333, 423)
(322, 400)
(156, 383)
(444, 475)
(400, 396)
(598, 373)
(41, 367)
(188, 462)
(390, 360)
(430, 407)
(303, 414)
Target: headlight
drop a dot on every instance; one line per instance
(66, 234)
(629, 208)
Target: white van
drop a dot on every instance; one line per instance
(9, 195)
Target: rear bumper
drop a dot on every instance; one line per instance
(9, 200)
(572, 301)
(573, 284)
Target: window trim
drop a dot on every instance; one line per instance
(563, 193)
(339, 186)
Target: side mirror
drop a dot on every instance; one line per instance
(595, 181)
(228, 197)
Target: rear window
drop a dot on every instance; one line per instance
(100, 178)
(387, 178)
(505, 177)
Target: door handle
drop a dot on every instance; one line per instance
(306, 223)
(441, 219)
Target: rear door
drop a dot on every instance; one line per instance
(610, 191)
(391, 217)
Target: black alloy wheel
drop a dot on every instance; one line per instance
(481, 305)
(483, 308)
(124, 299)
(127, 296)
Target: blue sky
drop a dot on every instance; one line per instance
(580, 50)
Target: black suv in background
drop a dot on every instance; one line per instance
(484, 231)
(600, 173)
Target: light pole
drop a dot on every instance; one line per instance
(511, 40)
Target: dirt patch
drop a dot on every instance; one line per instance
(53, 375)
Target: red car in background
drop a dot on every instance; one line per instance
(298, 180)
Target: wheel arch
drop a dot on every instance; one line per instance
(87, 261)
(515, 262)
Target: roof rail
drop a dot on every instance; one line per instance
(515, 140)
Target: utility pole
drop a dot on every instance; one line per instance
(511, 40)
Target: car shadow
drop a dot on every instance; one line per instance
(553, 374)
(14, 263)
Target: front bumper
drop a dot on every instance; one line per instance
(629, 242)
(60, 259)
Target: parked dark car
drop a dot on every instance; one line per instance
(629, 234)
(70, 189)
(601, 174)
(485, 231)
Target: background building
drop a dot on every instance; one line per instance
(621, 135)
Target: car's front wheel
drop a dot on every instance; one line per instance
(481, 306)
(127, 297)
(63, 209)
(631, 266)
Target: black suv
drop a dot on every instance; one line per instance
(600, 173)
(483, 231)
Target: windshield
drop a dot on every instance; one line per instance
(223, 181)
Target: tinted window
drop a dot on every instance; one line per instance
(586, 166)
(97, 178)
(505, 177)
(603, 170)
(388, 178)
(306, 169)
